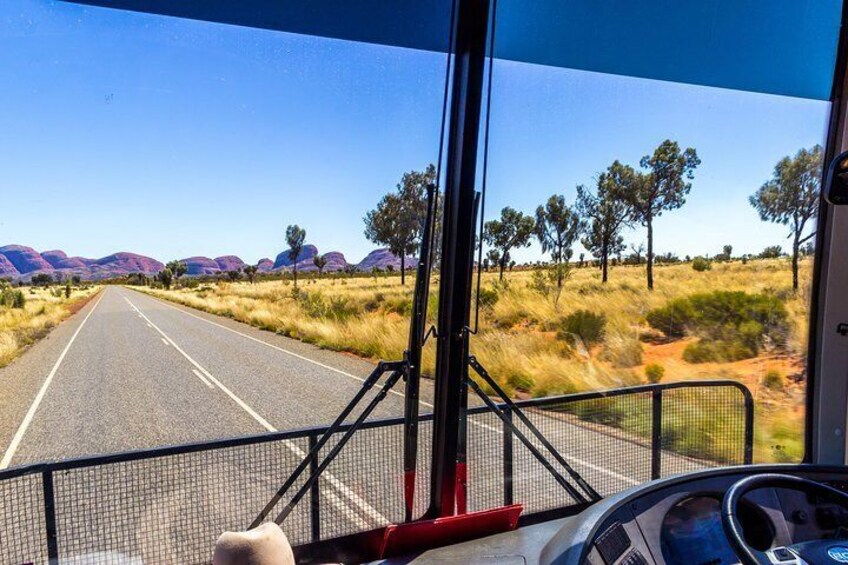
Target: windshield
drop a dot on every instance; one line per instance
(640, 232)
(214, 233)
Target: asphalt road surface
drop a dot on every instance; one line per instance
(131, 372)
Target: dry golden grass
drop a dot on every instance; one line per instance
(518, 340)
(21, 327)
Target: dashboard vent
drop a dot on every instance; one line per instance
(612, 543)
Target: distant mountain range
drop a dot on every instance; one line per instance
(21, 262)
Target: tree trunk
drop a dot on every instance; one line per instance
(795, 249)
(604, 265)
(650, 256)
(402, 269)
(559, 274)
(295, 273)
(502, 265)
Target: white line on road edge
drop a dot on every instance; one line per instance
(165, 341)
(339, 371)
(201, 377)
(19, 435)
(343, 488)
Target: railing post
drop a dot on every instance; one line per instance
(50, 517)
(749, 427)
(314, 493)
(656, 433)
(507, 457)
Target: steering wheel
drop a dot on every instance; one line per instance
(817, 552)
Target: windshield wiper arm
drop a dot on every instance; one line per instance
(590, 492)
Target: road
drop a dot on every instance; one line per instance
(131, 372)
(144, 373)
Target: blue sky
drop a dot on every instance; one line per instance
(174, 138)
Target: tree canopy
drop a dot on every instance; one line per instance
(295, 236)
(663, 186)
(557, 228)
(791, 197)
(512, 230)
(605, 214)
(398, 220)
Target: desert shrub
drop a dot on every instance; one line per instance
(586, 325)
(487, 297)
(622, 352)
(673, 318)
(654, 372)
(731, 325)
(540, 282)
(521, 381)
(701, 264)
(190, 283)
(11, 298)
(773, 380)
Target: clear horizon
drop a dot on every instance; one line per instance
(173, 138)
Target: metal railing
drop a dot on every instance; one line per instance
(170, 504)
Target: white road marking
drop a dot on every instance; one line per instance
(602, 470)
(149, 326)
(340, 486)
(165, 341)
(307, 359)
(201, 377)
(16, 440)
(278, 348)
(597, 468)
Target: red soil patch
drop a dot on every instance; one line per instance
(748, 371)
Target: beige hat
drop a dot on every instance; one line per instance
(263, 545)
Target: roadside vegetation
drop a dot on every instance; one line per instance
(740, 320)
(28, 313)
(614, 316)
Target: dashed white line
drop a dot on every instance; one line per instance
(165, 341)
(597, 468)
(201, 377)
(278, 348)
(340, 486)
(16, 440)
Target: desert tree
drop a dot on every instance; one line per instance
(637, 250)
(41, 279)
(166, 277)
(513, 230)
(605, 215)
(727, 252)
(177, 268)
(250, 272)
(557, 228)
(493, 256)
(234, 275)
(791, 197)
(320, 261)
(663, 186)
(398, 220)
(295, 236)
(771, 252)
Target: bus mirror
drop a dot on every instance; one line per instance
(836, 187)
